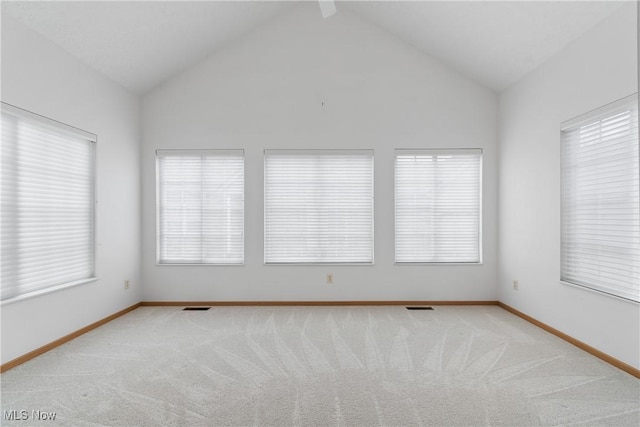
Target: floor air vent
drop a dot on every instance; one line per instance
(419, 308)
(196, 308)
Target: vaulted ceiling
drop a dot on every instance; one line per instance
(142, 43)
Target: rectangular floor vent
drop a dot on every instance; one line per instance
(419, 308)
(196, 308)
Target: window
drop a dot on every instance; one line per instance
(200, 206)
(318, 206)
(47, 205)
(600, 241)
(437, 206)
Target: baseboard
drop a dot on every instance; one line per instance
(305, 303)
(37, 352)
(583, 346)
(591, 350)
(45, 348)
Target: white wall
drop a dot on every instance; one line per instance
(40, 77)
(598, 68)
(266, 91)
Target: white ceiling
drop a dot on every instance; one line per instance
(494, 42)
(138, 43)
(142, 43)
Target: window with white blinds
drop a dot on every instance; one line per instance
(600, 239)
(47, 183)
(437, 206)
(200, 206)
(318, 206)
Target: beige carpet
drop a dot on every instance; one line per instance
(323, 366)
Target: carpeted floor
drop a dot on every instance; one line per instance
(323, 366)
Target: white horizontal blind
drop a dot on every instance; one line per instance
(200, 206)
(318, 206)
(600, 200)
(47, 197)
(437, 206)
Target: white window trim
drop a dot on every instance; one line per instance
(177, 152)
(445, 151)
(578, 121)
(321, 152)
(45, 121)
(61, 127)
(46, 291)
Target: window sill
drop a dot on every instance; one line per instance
(196, 264)
(318, 264)
(47, 291)
(437, 263)
(599, 292)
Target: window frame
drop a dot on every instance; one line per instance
(594, 116)
(327, 152)
(444, 152)
(62, 128)
(214, 151)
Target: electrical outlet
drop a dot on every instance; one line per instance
(330, 278)
(126, 284)
(515, 285)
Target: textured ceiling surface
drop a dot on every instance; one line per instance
(142, 43)
(494, 42)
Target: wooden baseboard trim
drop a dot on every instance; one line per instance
(583, 346)
(304, 303)
(591, 350)
(37, 352)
